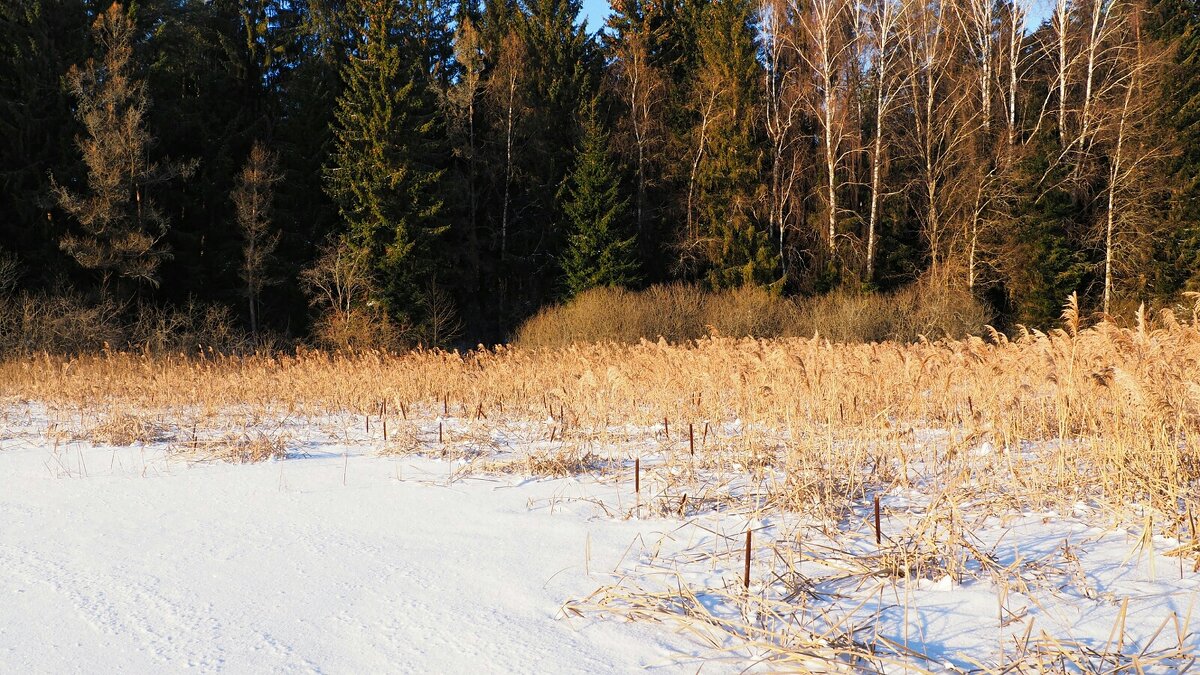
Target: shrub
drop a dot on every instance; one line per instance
(679, 313)
(750, 311)
(920, 309)
(605, 314)
(68, 324)
(356, 330)
(63, 324)
(183, 329)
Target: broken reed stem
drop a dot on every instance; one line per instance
(878, 530)
(691, 440)
(746, 574)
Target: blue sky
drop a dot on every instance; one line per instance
(595, 11)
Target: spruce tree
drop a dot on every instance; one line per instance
(562, 73)
(736, 250)
(1176, 24)
(1044, 265)
(37, 124)
(381, 175)
(598, 252)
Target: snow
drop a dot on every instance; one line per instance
(280, 566)
(338, 559)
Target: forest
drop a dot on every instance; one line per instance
(434, 172)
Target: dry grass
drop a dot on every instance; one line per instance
(125, 429)
(248, 447)
(1122, 406)
(1106, 416)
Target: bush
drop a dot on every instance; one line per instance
(678, 313)
(356, 330)
(185, 329)
(920, 309)
(68, 324)
(63, 324)
(750, 311)
(604, 314)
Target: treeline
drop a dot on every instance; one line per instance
(372, 171)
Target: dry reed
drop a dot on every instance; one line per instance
(1104, 416)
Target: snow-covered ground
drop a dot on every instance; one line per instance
(340, 559)
(132, 563)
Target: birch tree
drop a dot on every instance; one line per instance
(828, 38)
(783, 106)
(941, 124)
(882, 34)
(642, 89)
(1126, 128)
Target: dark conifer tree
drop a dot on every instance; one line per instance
(599, 251)
(1176, 25)
(39, 41)
(735, 250)
(381, 173)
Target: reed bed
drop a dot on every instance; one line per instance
(884, 458)
(1118, 406)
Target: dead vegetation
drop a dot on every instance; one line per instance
(946, 435)
(247, 447)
